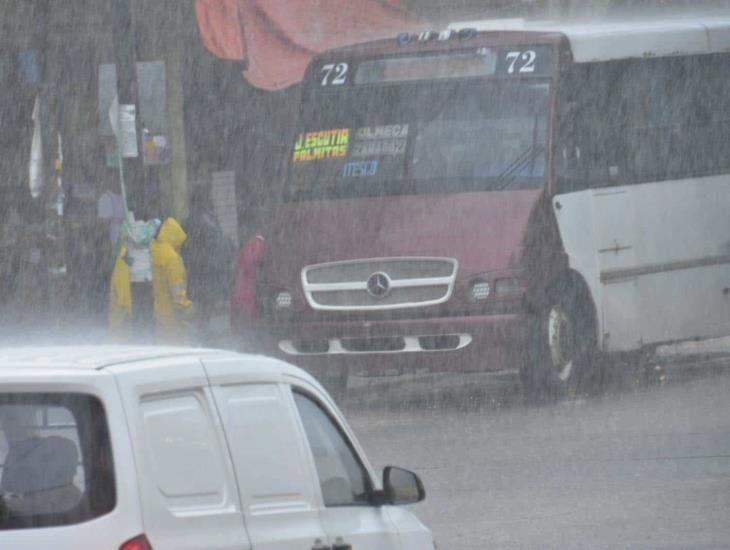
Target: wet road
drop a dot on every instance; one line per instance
(641, 469)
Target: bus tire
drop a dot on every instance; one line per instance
(562, 355)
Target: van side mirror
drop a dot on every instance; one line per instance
(401, 487)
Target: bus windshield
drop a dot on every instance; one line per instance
(421, 137)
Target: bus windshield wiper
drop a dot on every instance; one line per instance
(528, 156)
(509, 174)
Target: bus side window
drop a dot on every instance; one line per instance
(586, 132)
(648, 120)
(674, 121)
(711, 116)
(568, 153)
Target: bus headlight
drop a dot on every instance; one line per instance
(479, 290)
(283, 300)
(507, 286)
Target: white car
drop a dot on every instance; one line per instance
(138, 448)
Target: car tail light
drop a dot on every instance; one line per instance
(243, 296)
(137, 543)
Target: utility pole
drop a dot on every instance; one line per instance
(174, 61)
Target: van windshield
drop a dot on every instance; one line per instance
(55, 460)
(423, 137)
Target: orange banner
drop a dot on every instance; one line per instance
(277, 38)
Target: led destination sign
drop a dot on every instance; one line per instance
(522, 60)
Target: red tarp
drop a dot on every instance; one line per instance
(277, 38)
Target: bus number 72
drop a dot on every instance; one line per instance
(527, 59)
(337, 72)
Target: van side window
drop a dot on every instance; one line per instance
(343, 479)
(55, 460)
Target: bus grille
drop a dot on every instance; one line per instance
(379, 284)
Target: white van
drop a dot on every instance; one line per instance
(127, 448)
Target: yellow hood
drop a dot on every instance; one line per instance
(172, 233)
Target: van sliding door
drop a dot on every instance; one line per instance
(276, 487)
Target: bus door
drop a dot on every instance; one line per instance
(593, 209)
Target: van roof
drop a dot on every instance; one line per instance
(621, 39)
(95, 357)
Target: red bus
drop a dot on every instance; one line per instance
(527, 200)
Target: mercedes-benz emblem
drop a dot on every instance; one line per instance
(378, 285)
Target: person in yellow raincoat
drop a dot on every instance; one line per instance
(172, 308)
(120, 300)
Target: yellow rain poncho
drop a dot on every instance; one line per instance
(173, 309)
(120, 300)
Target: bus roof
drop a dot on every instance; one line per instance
(611, 40)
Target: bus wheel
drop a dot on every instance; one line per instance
(562, 358)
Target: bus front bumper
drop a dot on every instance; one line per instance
(469, 343)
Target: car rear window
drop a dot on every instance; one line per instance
(55, 460)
